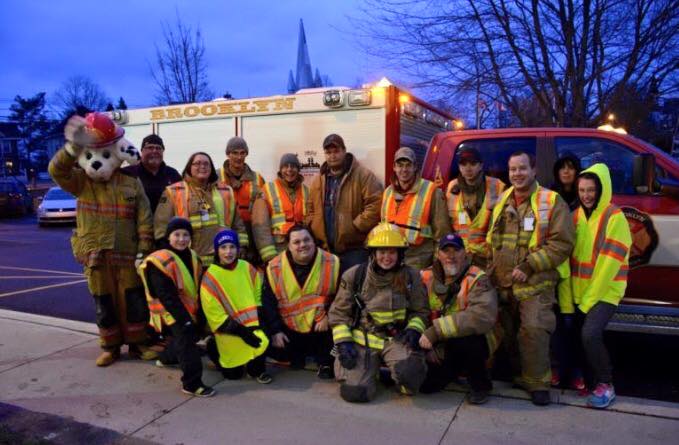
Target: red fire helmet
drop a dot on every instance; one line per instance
(102, 129)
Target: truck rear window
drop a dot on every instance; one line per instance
(495, 154)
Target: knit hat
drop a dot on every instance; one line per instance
(226, 236)
(289, 158)
(237, 143)
(177, 223)
(153, 139)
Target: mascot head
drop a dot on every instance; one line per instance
(106, 149)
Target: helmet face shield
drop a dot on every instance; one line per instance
(386, 235)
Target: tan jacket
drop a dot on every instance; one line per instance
(393, 293)
(201, 241)
(476, 316)
(422, 256)
(357, 211)
(113, 215)
(507, 253)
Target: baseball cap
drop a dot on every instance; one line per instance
(333, 140)
(405, 153)
(452, 239)
(468, 154)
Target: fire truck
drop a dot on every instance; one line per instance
(373, 121)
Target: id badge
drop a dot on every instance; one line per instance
(204, 215)
(462, 217)
(529, 224)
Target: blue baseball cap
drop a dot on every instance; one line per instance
(226, 236)
(452, 239)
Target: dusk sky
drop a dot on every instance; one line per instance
(250, 45)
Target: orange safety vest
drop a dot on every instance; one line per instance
(412, 214)
(222, 214)
(301, 306)
(185, 281)
(245, 194)
(284, 213)
(473, 232)
(461, 303)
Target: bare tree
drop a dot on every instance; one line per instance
(569, 61)
(180, 71)
(80, 92)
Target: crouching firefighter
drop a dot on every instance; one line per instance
(379, 314)
(464, 331)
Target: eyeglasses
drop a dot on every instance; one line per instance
(200, 164)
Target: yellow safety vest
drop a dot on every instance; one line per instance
(473, 232)
(412, 214)
(234, 294)
(187, 285)
(301, 306)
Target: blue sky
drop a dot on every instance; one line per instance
(250, 45)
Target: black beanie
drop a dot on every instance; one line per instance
(152, 139)
(178, 223)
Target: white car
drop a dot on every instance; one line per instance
(57, 206)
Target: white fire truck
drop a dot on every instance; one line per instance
(374, 123)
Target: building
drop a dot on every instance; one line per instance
(303, 76)
(10, 145)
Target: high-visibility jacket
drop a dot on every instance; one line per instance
(301, 306)
(233, 294)
(285, 213)
(221, 214)
(186, 282)
(411, 215)
(452, 321)
(251, 183)
(473, 231)
(600, 259)
(542, 202)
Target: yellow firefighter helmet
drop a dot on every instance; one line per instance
(386, 235)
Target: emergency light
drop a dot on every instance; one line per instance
(333, 98)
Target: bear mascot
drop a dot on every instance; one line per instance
(114, 229)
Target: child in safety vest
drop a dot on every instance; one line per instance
(171, 276)
(231, 294)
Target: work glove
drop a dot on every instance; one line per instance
(347, 354)
(409, 337)
(232, 327)
(75, 132)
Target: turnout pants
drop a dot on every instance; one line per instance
(407, 368)
(122, 312)
(528, 325)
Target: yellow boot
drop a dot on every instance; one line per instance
(108, 357)
(141, 352)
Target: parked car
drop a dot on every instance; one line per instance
(15, 200)
(57, 206)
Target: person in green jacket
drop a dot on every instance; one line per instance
(230, 296)
(599, 266)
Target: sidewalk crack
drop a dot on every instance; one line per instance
(451, 421)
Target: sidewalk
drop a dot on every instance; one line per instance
(47, 366)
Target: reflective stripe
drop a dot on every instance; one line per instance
(246, 194)
(473, 231)
(222, 199)
(372, 340)
(585, 269)
(412, 214)
(386, 317)
(268, 252)
(341, 333)
(241, 306)
(301, 306)
(417, 324)
(124, 211)
(446, 325)
(284, 213)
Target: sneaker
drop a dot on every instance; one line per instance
(201, 391)
(540, 397)
(264, 378)
(405, 391)
(325, 372)
(602, 396)
(578, 384)
(478, 397)
(556, 378)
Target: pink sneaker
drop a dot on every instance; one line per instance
(578, 384)
(602, 396)
(556, 378)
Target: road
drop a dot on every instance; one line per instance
(39, 275)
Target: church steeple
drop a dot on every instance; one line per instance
(304, 74)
